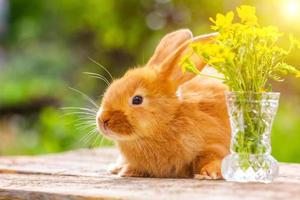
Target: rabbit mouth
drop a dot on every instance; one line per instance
(105, 131)
(113, 124)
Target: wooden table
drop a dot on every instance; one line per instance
(82, 175)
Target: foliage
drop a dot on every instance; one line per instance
(285, 135)
(52, 131)
(46, 49)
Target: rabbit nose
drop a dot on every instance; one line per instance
(103, 118)
(105, 123)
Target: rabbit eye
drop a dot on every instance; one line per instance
(137, 100)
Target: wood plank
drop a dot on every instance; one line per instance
(82, 175)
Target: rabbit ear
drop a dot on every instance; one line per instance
(168, 45)
(170, 69)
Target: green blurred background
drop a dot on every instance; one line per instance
(45, 46)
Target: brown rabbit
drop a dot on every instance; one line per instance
(167, 123)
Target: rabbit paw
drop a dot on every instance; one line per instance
(114, 168)
(117, 167)
(128, 171)
(210, 171)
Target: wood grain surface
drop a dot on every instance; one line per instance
(82, 174)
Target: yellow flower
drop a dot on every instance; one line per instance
(215, 60)
(247, 14)
(222, 21)
(246, 53)
(294, 41)
(262, 90)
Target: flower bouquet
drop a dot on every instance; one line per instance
(248, 56)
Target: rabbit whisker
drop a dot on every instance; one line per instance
(101, 140)
(79, 108)
(85, 118)
(79, 113)
(96, 140)
(86, 97)
(101, 67)
(88, 136)
(85, 125)
(98, 76)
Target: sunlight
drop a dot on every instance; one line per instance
(291, 9)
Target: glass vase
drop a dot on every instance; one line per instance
(251, 117)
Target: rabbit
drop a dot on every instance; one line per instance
(167, 123)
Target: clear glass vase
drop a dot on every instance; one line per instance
(251, 117)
